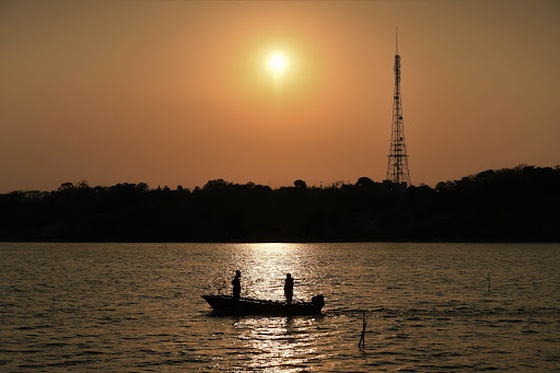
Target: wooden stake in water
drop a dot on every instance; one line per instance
(362, 343)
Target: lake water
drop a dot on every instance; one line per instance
(137, 307)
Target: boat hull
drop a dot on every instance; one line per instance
(227, 305)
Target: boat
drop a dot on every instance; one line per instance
(227, 305)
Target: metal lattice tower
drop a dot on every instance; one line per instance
(397, 168)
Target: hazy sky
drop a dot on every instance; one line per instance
(179, 92)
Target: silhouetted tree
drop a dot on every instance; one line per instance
(365, 182)
(518, 204)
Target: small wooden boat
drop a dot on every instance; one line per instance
(227, 305)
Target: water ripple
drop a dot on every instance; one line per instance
(131, 307)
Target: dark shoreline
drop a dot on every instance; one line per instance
(509, 205)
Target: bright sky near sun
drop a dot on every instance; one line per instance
(182, 92)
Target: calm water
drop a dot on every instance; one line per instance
(137, 307)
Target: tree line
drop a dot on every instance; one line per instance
(516, 204)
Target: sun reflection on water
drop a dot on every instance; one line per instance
(276, 344)
(279, 343)
(265, 268)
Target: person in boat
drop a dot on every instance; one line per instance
(289, 288)
(236, 282)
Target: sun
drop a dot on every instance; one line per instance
(277, 62)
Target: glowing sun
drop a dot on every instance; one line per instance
(277, 62)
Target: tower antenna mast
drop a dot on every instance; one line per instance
(397, 40)
(397, 167)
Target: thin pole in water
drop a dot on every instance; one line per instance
(362, 343)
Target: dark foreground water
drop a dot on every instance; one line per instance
(137, 308)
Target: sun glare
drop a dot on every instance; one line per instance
(277, 62)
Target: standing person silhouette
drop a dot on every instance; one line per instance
(236, 282)
(289, 288)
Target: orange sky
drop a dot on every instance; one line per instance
(178, 92)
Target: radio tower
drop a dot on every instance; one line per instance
(397, 168)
